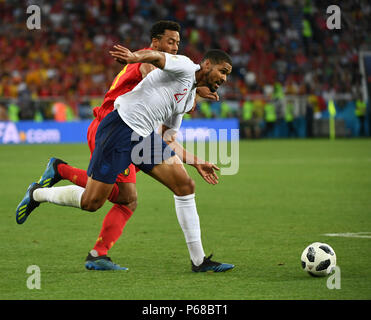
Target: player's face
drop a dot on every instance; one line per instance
(169, 42)
(217, 75)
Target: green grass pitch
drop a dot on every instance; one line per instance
(287, 194)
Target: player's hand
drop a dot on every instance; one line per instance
(204, 92)
(123, 55)
(207, 172)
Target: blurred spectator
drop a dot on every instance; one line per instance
(13, 112)
(270, 119)
(225, 110)
(361, 108)
(85, 110)
(249, 121)
(205, 110)
(3, 113)
(25, 103)
(289, 118)
(309, 117)
(62, 112)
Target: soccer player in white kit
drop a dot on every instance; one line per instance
(163, 97)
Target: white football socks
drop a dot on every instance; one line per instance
(64, 196)
(189, 221)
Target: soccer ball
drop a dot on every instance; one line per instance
(318, 259)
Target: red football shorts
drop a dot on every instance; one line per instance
(129, 175)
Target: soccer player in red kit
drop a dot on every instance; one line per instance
(165, 37)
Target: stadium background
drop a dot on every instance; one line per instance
(287, 65)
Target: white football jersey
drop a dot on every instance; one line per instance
(163, 96)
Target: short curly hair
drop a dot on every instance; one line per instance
(158, 29)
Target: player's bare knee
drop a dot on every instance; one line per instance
(132, 205)
(128, 199)
(185, 188)
(191, 186)
(91, 204)
(127, 195)
(92, 207)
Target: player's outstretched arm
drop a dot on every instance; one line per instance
(204, 168)
(124, 55)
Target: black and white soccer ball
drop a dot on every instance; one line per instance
(318, 259)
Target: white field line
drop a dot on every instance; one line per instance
(350, 235)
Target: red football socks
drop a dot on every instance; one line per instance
(75, 175)
(79, 177)
(113, 225)
(116, 218)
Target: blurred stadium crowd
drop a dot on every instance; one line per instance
(278, 48)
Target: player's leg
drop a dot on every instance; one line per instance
(58, 169)
(127, 194)
(123, 194)
(164, 166)
(110, 157)
(105, 165)
(90, 198)
(112, 228)
(95, 195)
(116, 219)
(125, 199)
(173, 175)
(114, 222)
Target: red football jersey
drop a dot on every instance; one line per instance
(124, 82)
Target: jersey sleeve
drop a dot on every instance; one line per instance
(179, 64)
(174, 122)
(190, 101)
